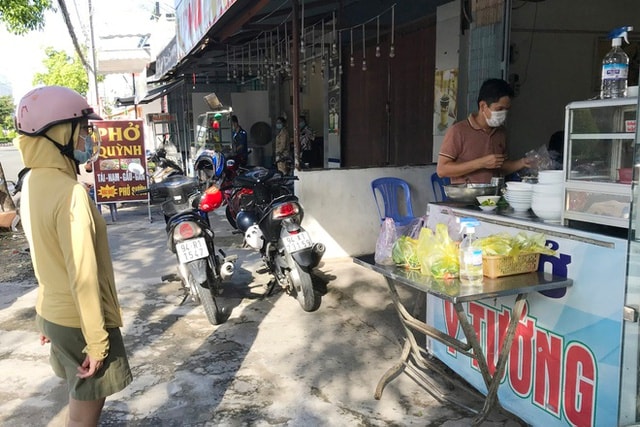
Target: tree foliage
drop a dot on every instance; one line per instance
(7, 111)
(63, 70)
(22, 16)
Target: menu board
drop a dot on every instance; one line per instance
(121, 143)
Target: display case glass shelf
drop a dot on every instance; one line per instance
(599, 161)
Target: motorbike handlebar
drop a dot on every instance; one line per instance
(145, 191)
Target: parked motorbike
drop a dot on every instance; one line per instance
(163, 168)
(217, 168)
(190, 237)
(269, 214)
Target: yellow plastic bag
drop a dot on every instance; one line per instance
(438, 253)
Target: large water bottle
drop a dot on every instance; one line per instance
(615, 67)
(471, 270)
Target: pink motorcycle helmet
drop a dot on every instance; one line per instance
(47, 106)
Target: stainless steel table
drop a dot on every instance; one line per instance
(457, 293)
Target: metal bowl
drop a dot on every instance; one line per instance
(467, 193)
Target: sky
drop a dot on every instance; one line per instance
(22, 56)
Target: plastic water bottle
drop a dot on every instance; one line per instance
(470, 253)
(615, 66)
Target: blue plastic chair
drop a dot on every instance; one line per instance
(396, 196)
(438, 184)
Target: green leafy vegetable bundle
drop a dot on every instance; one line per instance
(405, 253)
(438, 253)
(504, 244)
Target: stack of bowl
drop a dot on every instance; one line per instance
(519, 195)
(548, 195)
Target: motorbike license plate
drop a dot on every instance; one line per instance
(297, 242)
(193, 249)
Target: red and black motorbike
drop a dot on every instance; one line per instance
(264, 208)
(216, 168)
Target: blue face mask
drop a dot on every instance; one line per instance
(278, 126)
(84, 156)
(302, 125)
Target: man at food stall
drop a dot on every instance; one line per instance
(475, 149)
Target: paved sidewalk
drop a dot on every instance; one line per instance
(270, 364)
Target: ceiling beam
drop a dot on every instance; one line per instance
(240, 19)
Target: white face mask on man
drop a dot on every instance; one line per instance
(497, 118)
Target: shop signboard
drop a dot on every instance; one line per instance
(121, 143)
(564, 364)
(194, 18)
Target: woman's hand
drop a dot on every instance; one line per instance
(89, 367)
(44, 340)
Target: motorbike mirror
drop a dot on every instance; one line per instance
(135, 168)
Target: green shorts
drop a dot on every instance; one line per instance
(66, 355)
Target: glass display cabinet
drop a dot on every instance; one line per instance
(599, 161)
(630, 370)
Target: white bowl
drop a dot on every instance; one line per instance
(550, 202)
(547, 214)
(550, 177)
(548, 188)
(494, 199)
(488, 208)
(513, 198)
(519, 186)
(520, 206)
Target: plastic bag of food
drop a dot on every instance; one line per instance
(384, 244)
(405, 253)
(504, 244)
(438, 253)
(413, 228)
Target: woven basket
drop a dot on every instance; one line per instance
(499, 266)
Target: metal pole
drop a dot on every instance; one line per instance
(94, 75)
(295, 84)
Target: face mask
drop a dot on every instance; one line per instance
(302, 125)
(84, 156)
(497, 118)
(81, 156)
(278, 126)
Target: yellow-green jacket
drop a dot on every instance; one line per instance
(68, 242)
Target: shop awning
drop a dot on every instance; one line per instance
(159, 91)
(122, 61)
(125, 101)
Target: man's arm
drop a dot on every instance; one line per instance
(448, 167)
(511, 166)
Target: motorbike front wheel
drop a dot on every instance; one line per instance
(230, 217)
(211, 309)
(303, 286)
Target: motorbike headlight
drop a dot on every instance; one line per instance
(285, 210)
(186, 230)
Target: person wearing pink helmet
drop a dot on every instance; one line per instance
(77, 308)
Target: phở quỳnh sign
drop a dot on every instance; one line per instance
(121, 143)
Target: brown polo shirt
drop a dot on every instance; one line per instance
(466, 141)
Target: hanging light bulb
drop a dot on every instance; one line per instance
(364, 51)
(392, 49)
(302, 28)
(340, 52)
(228, 66)
(352, 61)
(322, 60)
(378, 37)
(313, 50)
(334, 49)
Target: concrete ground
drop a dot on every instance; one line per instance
(270, 364)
